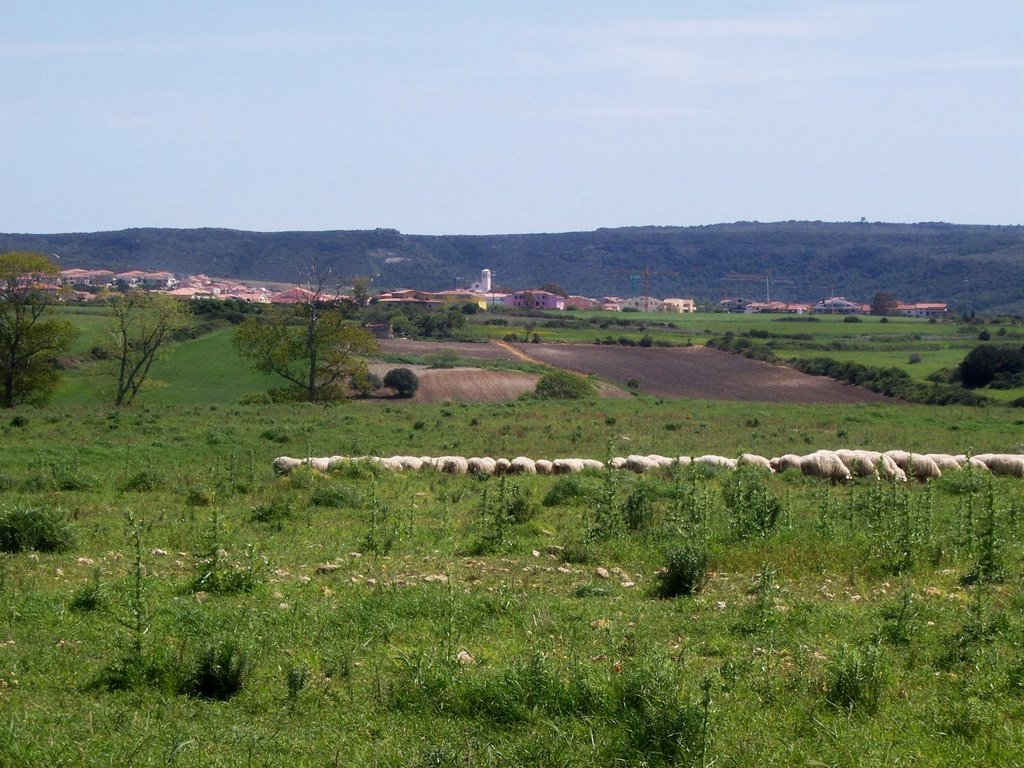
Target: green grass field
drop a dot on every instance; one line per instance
(207, 613)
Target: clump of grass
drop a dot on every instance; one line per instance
(90, 596)
(43, 529)
(275, 435)
(273, 513)
(335, 497)
(568, 489)
(660, 727)
(856, 678)
(217, 673)
(685, 571)
(143, 481)
(296, 677)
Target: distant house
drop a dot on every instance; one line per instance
(776, 308)
(535, 300)
(837, 305)
(581, 302)
(922, 310)
(642, 304)
(462, 297)
(681, 306)
(734, 305)
(408, 298)
(89, 278)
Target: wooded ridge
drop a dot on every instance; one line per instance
(970, 267)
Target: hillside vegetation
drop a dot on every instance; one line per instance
(978, 268)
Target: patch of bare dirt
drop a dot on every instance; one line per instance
(699, 373)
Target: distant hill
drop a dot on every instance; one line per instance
(977, 268)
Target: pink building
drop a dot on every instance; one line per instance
(535, 300)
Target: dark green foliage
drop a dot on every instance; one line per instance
(856, 678)
(893, 382)
(43, 529)
(273, 513)
(638, 508)
(90, 596)
(568, 489)
(753, 510)
(564, 385)
(685, 571)
(218, 672)
(143, 481)
(987, 362)
(403, 381)
(659, 727)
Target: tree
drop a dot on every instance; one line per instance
(141, 323)
(883, 304)
(564, 385)
(310, 344)
(403, 381)
(29, 340)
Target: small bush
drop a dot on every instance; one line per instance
(40, 528)
(403, 381)
(567, 489)
(855, 679)
(852, 319)
(275, 435)
(445, 359)
(272, 513)
(752, 508)
(218, 672)
(564, 385)
(685, 571)
(143, 481)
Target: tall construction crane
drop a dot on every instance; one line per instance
(768, 279)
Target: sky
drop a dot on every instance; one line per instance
(494, 116)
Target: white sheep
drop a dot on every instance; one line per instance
(945, 462)
(638, 464)
(826, 465)
(784, 462)
(716, 462)
(684, 461)
(452, 465)
(860, 463)
(522, 465)
(923, 468)
(659, 461)
(1006, 464)
(480, 465)
(592, 464)
(753, 460)
(567, 466)
(502, 466)
(285, 464)
(544, 467)
(617, 462)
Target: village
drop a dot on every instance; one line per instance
(88, 284)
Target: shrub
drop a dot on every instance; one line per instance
(403, 381)
(218, 672)
(752, 508)
(143, 480)
(851, 319)
(855, 679)
(567, 489)
(685, 571)
(40, 528)
(564, 385)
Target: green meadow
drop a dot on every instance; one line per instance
(168, 600)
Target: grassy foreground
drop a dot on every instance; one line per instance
(208, 613)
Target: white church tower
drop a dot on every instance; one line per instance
(483, 285)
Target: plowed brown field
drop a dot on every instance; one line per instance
(699, 373)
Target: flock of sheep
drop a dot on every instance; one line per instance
(836, 466)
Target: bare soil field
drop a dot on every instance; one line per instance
(699, 373)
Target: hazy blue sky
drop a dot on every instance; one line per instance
(492, 117)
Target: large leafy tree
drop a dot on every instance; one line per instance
(312, 344)
(29, 340)
(141, 324)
